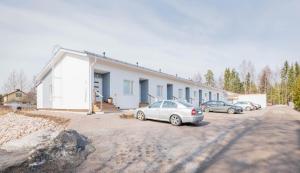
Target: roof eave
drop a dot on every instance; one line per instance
(54, 59)
(169, 76)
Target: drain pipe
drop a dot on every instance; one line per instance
(91, 86)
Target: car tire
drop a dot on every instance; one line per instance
(140, 115)
(175, 120)
(248, 108)
(231, 111)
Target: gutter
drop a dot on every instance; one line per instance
(91, 81)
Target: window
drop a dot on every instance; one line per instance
(180, 93)
(159, 91)
(156, 104)
(169, 104)
(128, 87)
(212, 103)
(18, 94)
(221, 103)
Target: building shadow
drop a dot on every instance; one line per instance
(202, 123)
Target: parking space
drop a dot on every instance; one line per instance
(130, 145)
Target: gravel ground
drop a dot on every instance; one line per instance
(14, 126)
(258, 141)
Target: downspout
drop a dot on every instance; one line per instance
(91, 86)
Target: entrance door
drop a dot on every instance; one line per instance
(209, 95)
(144, 85)
(98, 88)
(200, 97)
(169, 91)
(187, 94)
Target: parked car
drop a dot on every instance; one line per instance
(257, 106)
(175, 112)
(247, 106)
(220, 106)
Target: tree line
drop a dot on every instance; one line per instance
(281, 85)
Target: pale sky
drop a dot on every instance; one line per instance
(180, 37)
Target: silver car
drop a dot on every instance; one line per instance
(175, 112)
(248, 106)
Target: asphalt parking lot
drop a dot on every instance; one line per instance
(266, 140)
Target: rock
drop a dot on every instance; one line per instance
(66, 152)
(127, 114)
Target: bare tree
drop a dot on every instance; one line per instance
(246, 71)
(21, 80)
(15, 80)
(197, 78)
(11, 83)
(220, 82)
(265, 79)
(31, 95)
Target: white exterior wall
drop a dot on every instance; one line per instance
(70, 85)
(44, 89)
(118, 74)
(67, 85)
(255, 98)
(39, 96)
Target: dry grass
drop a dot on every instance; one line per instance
(59, 120)
(4, 110)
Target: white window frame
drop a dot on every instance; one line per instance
(129, 91)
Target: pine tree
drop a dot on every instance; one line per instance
(290, 82)
(247, 83)
(253, 88)
(209, 77)
(236, 85)
(227, 79)
(1, 99)
(284, 86)
(296, 93)
(232, 80)
(297, 70)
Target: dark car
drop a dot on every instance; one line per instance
(220, 106)
(257, 106)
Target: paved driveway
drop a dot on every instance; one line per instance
(258, 141)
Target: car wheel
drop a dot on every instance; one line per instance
(175, 120)
(230, 111)
(140, 115)
(206, 110)
(248, 108)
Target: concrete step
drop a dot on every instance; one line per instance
(106, 107)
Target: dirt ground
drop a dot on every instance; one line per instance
(266, 140)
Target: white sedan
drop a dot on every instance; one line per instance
(175, 112)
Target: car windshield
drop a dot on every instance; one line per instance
(186, 104)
